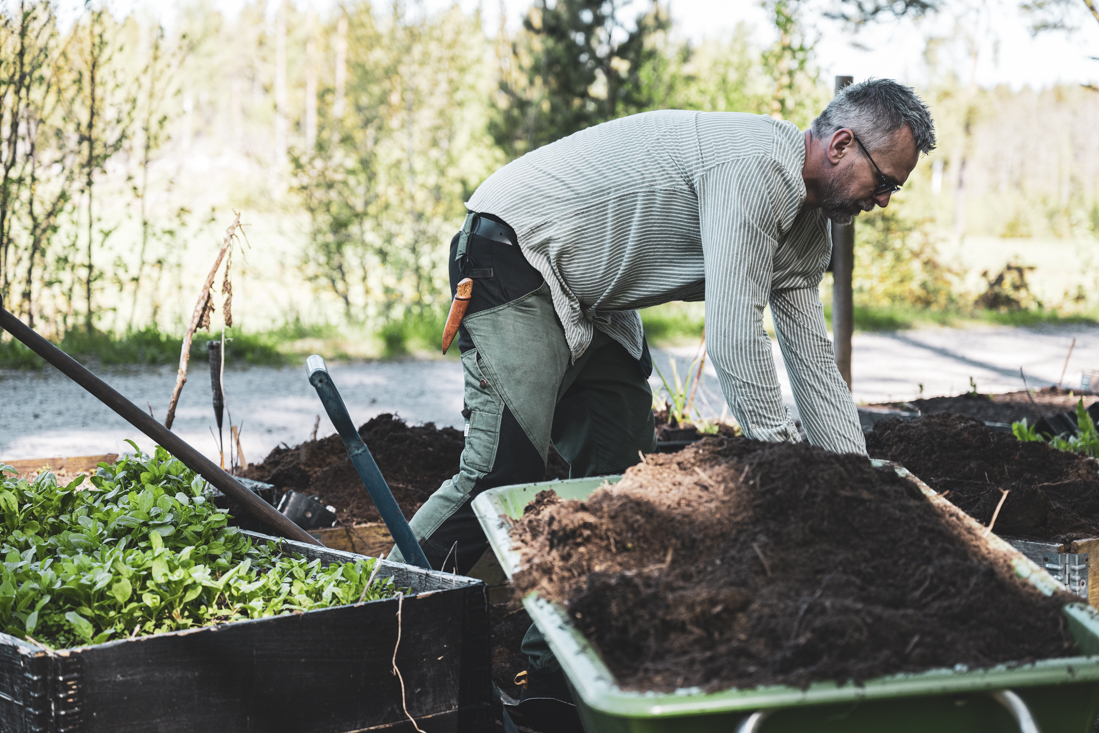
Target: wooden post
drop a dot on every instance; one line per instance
(843, 264)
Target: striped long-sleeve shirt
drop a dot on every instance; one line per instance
(676, 205)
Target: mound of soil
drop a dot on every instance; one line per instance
(735, 563)
(415, 461)
(1008, 407)
(1054, 494)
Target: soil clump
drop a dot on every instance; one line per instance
(1054, 495)
(415, 461)
(1008, 407)
(735, 563)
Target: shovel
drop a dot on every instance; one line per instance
(364, 463)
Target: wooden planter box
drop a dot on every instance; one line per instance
(320, 671)
(68, 465)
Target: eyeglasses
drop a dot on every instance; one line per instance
(886, 184)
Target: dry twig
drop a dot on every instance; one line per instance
(240, 453)
(404, 704)
(698, 374)
(377, 564)
(316, 425)
(200, 317)
(1005, 492)
(1065, 367)
(762, 559)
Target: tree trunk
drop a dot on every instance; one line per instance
(280, 85)
(311, 85)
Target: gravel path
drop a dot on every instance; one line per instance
(43, 414)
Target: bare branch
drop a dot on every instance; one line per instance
(196, 319)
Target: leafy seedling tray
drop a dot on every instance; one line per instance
(1057, 694)
(327, 670)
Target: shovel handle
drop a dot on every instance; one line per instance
(364, 463)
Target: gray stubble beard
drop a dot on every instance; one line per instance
(835, 203)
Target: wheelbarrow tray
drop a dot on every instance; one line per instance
(326, 670)
(1061, 694)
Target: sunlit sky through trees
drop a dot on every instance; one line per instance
(1008, 54)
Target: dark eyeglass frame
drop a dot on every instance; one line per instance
(887, 185)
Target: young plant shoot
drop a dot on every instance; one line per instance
(141, 549)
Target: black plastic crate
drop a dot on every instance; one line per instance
(327, 670)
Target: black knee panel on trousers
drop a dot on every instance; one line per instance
(460, 542)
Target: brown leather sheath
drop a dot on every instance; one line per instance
(457, 311)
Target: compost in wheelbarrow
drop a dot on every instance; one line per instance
(737, 564)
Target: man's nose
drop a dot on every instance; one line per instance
(882, 200)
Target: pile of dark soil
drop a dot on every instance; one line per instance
(1054, 494)
(415, 461)
(1008, 407)
(735, 563)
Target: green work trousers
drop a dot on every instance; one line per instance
(522, 392)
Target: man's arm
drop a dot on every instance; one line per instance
(827, 411)
(738, 221)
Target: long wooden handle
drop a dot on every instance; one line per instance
(457, 311)
(134, 415)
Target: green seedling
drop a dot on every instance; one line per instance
(1086, 440)
(140, 548)
(1025, 433)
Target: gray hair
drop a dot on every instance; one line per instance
(874, 109)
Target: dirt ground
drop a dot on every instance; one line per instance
(1007, 407)
(1054, 495)
(736, 563)
(415, 461)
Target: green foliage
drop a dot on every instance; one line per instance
(414, 332)
(579, 63)
(680, 393)
(794, 94)
(1025, 433)
(143, 550)
(1086, 440)
(1008, 290)
(673, 322)
(897, 263)
(148, 346)
(384, 183)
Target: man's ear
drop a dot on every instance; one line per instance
(841, 145)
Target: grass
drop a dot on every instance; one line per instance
(414, 334)
(674, 324)
(148, 346)
(897, 317)
(418, 334)
(680, 324)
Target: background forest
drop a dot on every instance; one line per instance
(349, 139)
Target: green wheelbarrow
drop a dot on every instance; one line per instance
(1050, 696)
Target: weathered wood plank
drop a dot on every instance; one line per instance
(66, 464)
(321, 671)
(372, 540)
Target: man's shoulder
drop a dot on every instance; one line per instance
(726, 137)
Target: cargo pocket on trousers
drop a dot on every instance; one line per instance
(485, 410)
